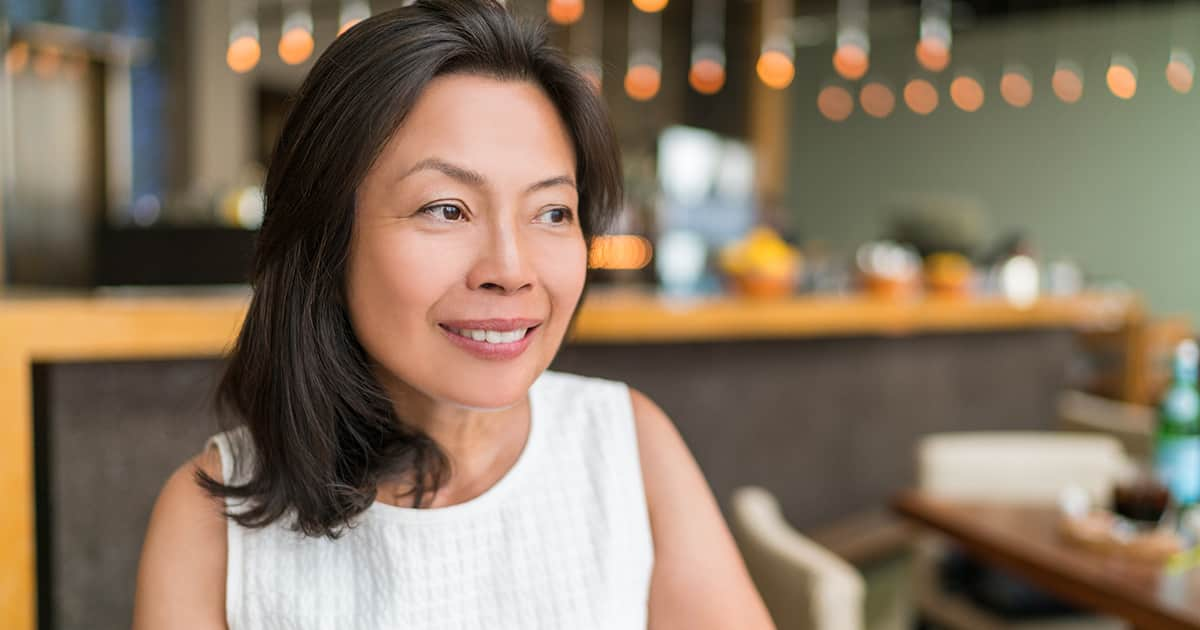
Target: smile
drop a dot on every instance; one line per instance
(492, 339)
(491, 336)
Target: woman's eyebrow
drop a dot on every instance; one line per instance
(476, 179)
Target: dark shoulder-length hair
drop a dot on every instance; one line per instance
(323, 431)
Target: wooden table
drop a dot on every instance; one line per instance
(1025, 540)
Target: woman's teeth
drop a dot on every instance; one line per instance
(494, 336)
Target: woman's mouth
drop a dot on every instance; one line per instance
(491, 336)
(495, 339)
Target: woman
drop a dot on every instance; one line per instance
(406, 460)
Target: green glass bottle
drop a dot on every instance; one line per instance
(1177, 439)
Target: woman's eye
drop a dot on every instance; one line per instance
(556, 216)
(444, 212)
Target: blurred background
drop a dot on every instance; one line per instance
(854, 232)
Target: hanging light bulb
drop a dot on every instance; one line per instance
(643, 76)
(353, 12)
(852, 56)
(776, 65)
(1016, 88)
(296, 44)
(933, 44)
(564, 11)
(1121, 77)
(1067, 81)
(1181, 71)
(244, 50)
(650, 6)
(707, 72)
(920, 96)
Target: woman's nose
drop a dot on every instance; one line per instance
(502, 264)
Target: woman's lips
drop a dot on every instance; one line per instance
(492, 339)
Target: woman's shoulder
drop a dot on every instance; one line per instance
(181, 574)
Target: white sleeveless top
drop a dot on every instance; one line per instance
(561, 541)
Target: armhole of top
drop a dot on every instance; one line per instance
(225, 450)
(233, 539)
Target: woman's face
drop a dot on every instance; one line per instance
(468, 259)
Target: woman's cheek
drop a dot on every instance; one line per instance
(563, 266)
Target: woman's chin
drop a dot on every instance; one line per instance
(493, 390)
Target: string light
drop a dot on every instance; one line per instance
(1181, 71)
(1121, 77)
(933, 45)
(921, 97)
(650, 6)
(620, 251)
(835, 103)
(564, 11)
(707, 72)
(966, 93)
(1067, 81)
(876, 99)
(296, 44)
(643, 76)
(244, 49)
(852, 54)
(852, 58)
(1015, 87)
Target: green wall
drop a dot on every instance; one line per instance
(1112, 184)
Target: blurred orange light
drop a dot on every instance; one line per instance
(920, 96)
(775, 69)
(1067, 84)
(16, 57)
(851, 61)
(47, 62)
(564, 11)
(650, 6)
(620, 251)
(642, 82)
(243, 54)
(877, 100)
(835, 103)
(933, 54)
(347, 25)
(1122, 81)
(1015, 89)
(706, 76)
(966, 93)
(295, 46)
(1181, 72)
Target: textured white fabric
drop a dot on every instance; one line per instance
(561, 541)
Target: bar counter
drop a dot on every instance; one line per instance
(120, 325)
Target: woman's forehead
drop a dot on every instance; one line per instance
(484, 125)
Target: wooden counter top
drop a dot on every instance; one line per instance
(141, 324)
(201, 323)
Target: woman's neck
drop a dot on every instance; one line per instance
(481, 446)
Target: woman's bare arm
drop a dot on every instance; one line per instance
(181, 578)
(699, 579)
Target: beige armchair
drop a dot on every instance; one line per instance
(805, 586)
(1028, 468)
